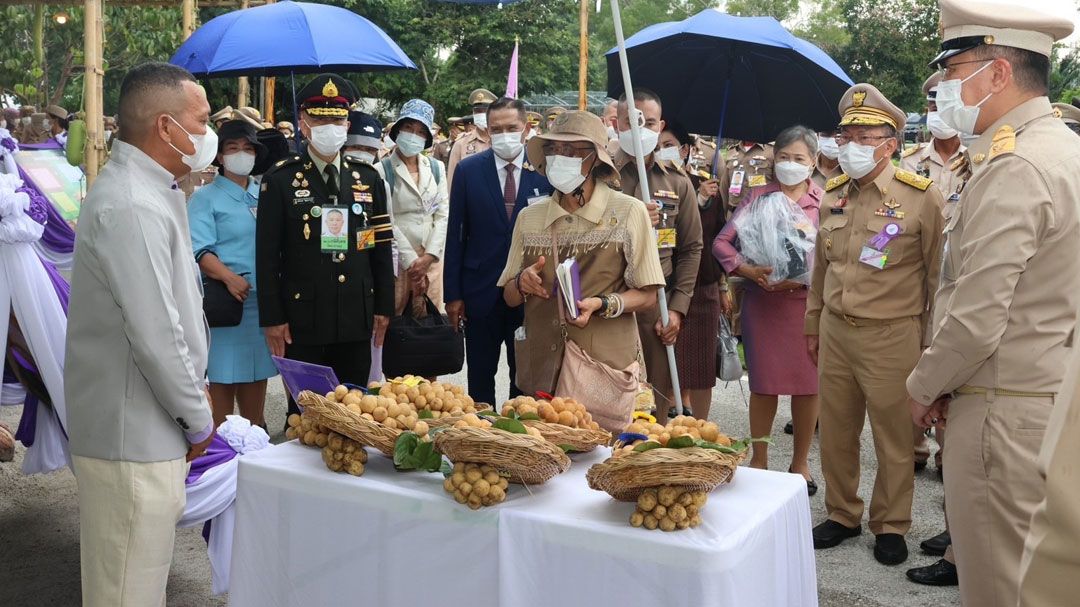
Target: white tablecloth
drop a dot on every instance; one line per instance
(306, 536)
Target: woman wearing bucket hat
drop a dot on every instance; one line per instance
(222, 218)
(419, 204)
(606, 232)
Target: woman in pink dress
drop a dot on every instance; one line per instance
(772, 318)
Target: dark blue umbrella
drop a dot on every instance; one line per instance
(741, 77)
(289, 38)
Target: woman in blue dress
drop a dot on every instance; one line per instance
(222, 217)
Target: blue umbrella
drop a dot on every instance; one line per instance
(741, 77)
(289, 38)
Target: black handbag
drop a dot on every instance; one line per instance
(220, 307)
(427, 346)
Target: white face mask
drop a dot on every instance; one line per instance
(480, 120)
(108, 136)
(857, 160)
(239, 163)
(828, 147)
(671, 154)
(46, 124)
(3, 124)
(205, 148)
(938, 128)
(327, 139)
(951, 108)
(410, 144)
(649, 138)
(564, 172)
(366, 157)
(791, 173)
(507, 145)
(612, 133)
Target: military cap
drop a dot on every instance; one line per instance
(552, 112)
(225, 113)
(453, 120)
(575, 125)
(929, 88)
(1069, 114)
(56, 111)
(285, 125)
(966, 24)
(250, 112)
(864, 105)
(365, 130)
(533, 118)
(481, 96)
(327, 95)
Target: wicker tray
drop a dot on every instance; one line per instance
(339, 419)
(692, 468)
(578, 439)
(526, 459)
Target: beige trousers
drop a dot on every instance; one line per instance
(992, 489)
(127, 524)
(862, 371)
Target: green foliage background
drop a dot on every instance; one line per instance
(461, 47)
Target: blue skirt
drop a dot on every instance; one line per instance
(238, 355)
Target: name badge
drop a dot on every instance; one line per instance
(519, 333)
(874, 258)
(665, 238)
(534, 199)
(736, 183)
(334, 229)
(431, 204)
(757, 181)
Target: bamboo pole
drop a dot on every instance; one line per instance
(242, 85)
(187, 9)
(92, 90)
(583, 61)
(268, 93)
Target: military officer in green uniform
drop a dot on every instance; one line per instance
(323, 244)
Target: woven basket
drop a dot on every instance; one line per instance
(526, 459)
(450, 420)
(578, 439)
(692, 469)
(339, 419)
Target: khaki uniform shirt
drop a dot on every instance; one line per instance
(925, 160)
(1014, 242)
(610, 239)
(851, 215)
(467, 145)
(677, 197)
(756, 163)
(821, 176)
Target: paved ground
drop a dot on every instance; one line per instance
(39, 538)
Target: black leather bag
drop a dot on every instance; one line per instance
(220, 307)
(426, 346)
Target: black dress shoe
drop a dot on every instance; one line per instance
(811, 485)
(789, 428)
(920, 466)
(941, 573)
(937, 545)
(672, 414)
(890, 549)
(831, 533)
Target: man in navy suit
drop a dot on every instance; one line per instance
(488, 191)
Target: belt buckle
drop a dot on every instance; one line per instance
(849, 320)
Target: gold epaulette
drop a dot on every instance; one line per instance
(959, 162)
(914, 180)
(1004, 142)
(911, 150)
(836, 182)
(281, 163)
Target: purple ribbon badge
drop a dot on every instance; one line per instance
(882, 238)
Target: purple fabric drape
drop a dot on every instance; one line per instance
(216, 454)
(58, 236)
(61, 286)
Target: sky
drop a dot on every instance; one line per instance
(1061, 8)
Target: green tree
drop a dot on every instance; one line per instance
(1064, 74)
(781, 10)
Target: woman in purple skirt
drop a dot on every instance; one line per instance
(772, 318)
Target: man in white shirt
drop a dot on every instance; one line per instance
(135, 370)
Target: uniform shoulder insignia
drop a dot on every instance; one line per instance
(1004, 142)
(283, 162)
(911, 150)
(959, 162)
(355, 160)
(836, 182)
(913, 180)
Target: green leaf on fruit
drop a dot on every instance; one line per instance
(425, 414)
(529, 417)
(510, 425)
(648, 446)
(681, 442)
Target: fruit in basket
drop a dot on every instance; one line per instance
(558, 410)
(342, 454)
(668, 508)
(681, 426)
(476, 485)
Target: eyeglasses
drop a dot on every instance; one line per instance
(567, 149)
(947, 70)
(861, 140)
